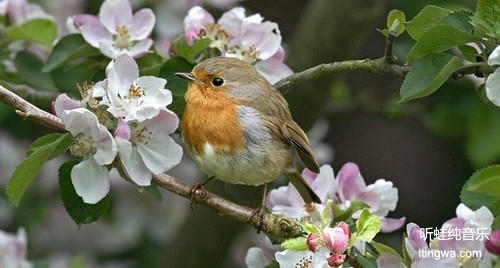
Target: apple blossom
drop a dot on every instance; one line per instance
(145, 148)
(235, 35)
(93, 143)
(130, 96)
(347, 187)
(116, 30)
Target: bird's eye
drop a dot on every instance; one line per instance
(217, 81)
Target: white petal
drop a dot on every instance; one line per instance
(493, 87)
(140, 48)
(273, 70)
(115, 13)
(160, 152)
(196, 19)
(105, 145)
(64, 102)
(136, 169)
(386, 194)
(494, 58)
(121, 73)
(91, 181)
(79, 120)
(92, 30)
(143, 24)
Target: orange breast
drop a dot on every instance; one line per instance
(210, 117)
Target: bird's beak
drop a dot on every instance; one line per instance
(187, 76)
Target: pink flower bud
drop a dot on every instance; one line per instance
(493, 243)
(344, 227)
(336, 260)
(313, 242)
(335, 239)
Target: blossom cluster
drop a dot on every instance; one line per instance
(327, 245)
(135, 109)
(344, 189)
(450, 242)
(235, 35)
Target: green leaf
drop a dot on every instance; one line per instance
(367, 226)
(459, 19)
(150, 64)
(427, 18)
(67, 77)
(487, 21)
(438, 39)
(297, 243)
(395, 22)
(45, 148)
(177, 85)
(69, 48)
(79, 211)
(29, 67)
(189, 52)
(311, 228)
(469, 53)
(344, 215)
(43, 31)
(475, 200)
(486, 181)
(365, 262)
(382, 248)
(482, 145)
(428, 74)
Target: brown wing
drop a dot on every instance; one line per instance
(279, 120)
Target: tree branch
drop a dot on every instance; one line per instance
(378, 66)
(30, 112)
(277, 226)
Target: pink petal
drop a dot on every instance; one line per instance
(143, 24)
(122, 130)
(114, 13)
(196, 19)
(388, 225)
(264, 38)
(414, 237)
(64, 102)
(273, 70)
(350, 182)
(92, 30)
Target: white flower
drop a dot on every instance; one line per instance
(94, 143)
(493, 81)
(116, 30)
(133, 97)
(145, 148)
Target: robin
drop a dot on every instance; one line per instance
(237, 127)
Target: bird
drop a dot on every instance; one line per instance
(238, 128)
